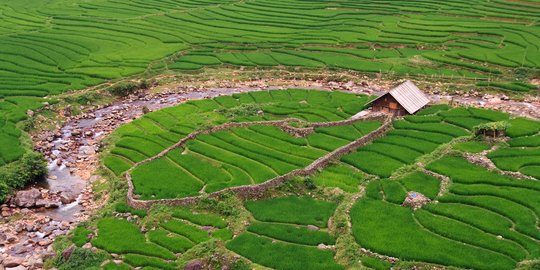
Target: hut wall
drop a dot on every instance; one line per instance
(388, 104)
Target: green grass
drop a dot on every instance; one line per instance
(172, 242)
(392, 230)
(121, 236)
(472, 146)
(297, 210)
(201, 219)
(423, 183)
(80, 236)
(291, 233)
(264, 251)
(520, 127)
(90, 43)
(191, 232)
(373, 163)
(484, 220)
(340, 176)
(144, 261)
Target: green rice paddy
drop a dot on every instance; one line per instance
(53, 47)
(233, 157)
(476, 218)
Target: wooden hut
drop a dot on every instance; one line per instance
(403, 99)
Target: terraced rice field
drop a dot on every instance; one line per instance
(280, 231)
(476, 218)
(233, 157)
(241, 156)
(48, 48)
(418, 135)
(158, 247)
(484, 221)
(522, 153)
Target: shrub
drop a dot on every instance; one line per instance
(84, 99)
(82, 259)
(242, 110)
(494, 128)
(31, 168)
(123, 89)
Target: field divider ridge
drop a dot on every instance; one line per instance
(257, 190)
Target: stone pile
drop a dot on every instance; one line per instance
(39, 198)
(378, 256)
(415, 200)
(27, 242)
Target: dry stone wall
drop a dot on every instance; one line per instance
(258, 190)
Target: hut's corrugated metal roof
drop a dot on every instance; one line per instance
(409, 96)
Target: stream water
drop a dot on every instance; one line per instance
(69, 148)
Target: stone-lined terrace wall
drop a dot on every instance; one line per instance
(258, 190)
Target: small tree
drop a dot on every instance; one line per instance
(492, 129)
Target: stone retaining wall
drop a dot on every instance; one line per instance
(258, 190)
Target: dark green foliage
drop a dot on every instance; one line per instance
(123, 89)
(31, 168)
(82, 259)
